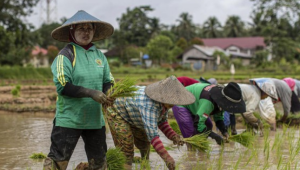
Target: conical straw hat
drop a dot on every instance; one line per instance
(103, 29)
(169, 91)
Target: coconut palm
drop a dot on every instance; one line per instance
(186, 27)
(211, 28)
(234, 26)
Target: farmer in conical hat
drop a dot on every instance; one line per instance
(81, 75)
(252, 95)
(210, 100)
(136, 120)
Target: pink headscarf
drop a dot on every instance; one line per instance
(290, 82)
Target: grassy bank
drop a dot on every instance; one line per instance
(43, 76)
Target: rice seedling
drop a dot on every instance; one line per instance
(276, 140)
(220, 160)
(115, 159)
(253, 154)
(122, 88)
(246, 138)
(279, 162)
(266, 140)
(266, 165)
(38, 156)
(236, 166)
(199, 142)
(296, 164)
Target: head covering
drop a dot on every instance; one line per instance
(209, 81)
(203, 80)
(103, 29)
(213, 81)
(186, 81)
(266, 85)
(291, 82)
(229, 98)
(169, 91)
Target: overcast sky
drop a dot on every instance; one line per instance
(167, 11)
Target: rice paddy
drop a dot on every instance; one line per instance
(274, 150)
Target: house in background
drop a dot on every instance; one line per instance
(200, 57)
(239, 47)
(39, 57)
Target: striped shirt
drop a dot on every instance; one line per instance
(141, 112)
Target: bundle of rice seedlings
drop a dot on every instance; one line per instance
(175, 127)
(122, 88)
(38, 156)
(246, 138)
(199, 142)
(115, 159)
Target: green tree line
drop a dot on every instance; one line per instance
(277, 21)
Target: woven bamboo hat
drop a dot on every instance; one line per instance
(103, 29)
(169, 91)
(266, 85)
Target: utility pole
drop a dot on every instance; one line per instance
(48, 11)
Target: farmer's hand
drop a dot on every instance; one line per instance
(226, 135)
(170, 163)
(217, 138)
(99, 97)
(177, 140)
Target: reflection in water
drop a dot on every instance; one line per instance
(24, 134)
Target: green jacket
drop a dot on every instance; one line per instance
(203, 107)
(88, 68)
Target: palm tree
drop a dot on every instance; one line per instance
(186, 27)
(211, 28)
(234, 27)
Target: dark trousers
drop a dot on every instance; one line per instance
(64, 140)
(232, 119)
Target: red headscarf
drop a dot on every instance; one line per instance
(72, 37)
(186, 81)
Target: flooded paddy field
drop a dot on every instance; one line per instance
(27, 131)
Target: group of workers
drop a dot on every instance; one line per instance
(82, 77)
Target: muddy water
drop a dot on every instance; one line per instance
(27, 133)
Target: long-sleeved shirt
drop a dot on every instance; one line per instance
(284, 94)
(204, 105)
(142, 112)
(251, 96)
(88, 69)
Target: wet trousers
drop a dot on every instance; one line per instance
(64, 140)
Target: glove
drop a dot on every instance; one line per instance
(216, 137)
(177, 140)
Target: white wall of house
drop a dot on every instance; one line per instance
(233, 49)
(193, 53)
(41, 61)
